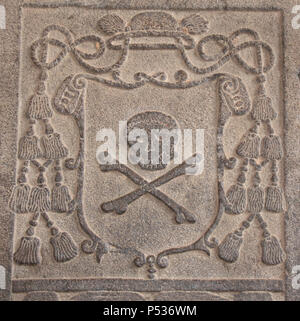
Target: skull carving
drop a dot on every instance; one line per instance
(158, 121)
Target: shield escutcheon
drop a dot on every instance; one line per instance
(181, 207)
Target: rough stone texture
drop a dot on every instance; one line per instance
(9, 53)
(149, 296)
(41, 296)
(128, 253)
(253, 297)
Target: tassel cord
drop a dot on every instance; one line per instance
(263, 225)
(33, 224)
(38, 165)
(245, 224)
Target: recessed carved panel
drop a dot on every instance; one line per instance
(83, 70)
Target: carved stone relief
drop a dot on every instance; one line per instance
(149, 221)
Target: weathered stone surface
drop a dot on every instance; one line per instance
(253, 297)
(125, 232)
(188, 296)
(108, 296)
(41, 296)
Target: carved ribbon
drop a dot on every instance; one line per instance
(229, 51)
(70, 46)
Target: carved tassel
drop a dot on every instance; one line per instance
(229, 249)
(262, 106)
(53, 147)
(60, 199)
(255, 199)
(39, 200)
(255, 194)
(19, 198)
(236, 195)
(28, 146)
(39, 107)
(271, 147)
(20, 194)
(28, 252)
(249, 147)
(272, 252)
(64, 248)
(274, 193)
(274, 201)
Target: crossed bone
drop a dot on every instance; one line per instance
(120, 204)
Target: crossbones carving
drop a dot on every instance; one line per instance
(120, 204)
